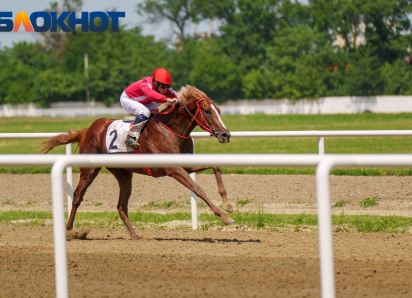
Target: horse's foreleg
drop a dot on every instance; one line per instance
(183, 177)
(221, 188)
(124, 178)
(87, 176)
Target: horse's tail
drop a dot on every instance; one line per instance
(62, 139)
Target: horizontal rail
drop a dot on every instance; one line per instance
(256, 134)
(28, 135)
(28, 159)
(311, 133)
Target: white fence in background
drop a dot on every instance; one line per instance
(323, 105)
(324, 165)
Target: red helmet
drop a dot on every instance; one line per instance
(161, 75)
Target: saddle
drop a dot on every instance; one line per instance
(118, 130)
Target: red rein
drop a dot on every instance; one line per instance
(203, 125)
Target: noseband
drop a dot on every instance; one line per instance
(203, 123)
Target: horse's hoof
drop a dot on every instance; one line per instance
(227, 220)
(227, 207)
(136, 237)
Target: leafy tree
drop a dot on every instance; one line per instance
(264, 49)
(251, 28)
(294, 65)
(115, 60)
(58, 41)
(364, 76)
(215, 73)
(176, 11)
(381, 23)
(397, 78)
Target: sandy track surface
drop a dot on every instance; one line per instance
(229, 263)
(274, 193)
(204, 264)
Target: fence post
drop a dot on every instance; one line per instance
(321, 146)
(193, 197)
(327, 271)
(69, 173)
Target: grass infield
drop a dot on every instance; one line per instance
(253, 221)
(258, 122)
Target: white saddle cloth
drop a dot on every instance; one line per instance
(116, 136)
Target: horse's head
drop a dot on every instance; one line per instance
(206, 113)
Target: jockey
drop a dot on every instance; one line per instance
(141, 98)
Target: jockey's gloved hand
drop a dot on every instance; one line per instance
(172, 100)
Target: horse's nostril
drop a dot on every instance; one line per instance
(225, 135)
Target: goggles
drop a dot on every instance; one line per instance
(164, 86)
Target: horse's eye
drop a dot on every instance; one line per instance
(207, 111)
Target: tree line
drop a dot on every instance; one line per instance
(262, 49)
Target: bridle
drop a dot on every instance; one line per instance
(203, 123)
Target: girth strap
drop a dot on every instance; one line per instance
(139, 151)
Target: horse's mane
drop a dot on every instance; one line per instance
(185, 95)
(188, 93)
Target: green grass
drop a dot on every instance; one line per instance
(258, 221)
(368, 202)
(8, 202)
(259, 122)
(158, 204)
(340, 203)
(243, 203)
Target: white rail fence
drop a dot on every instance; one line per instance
(236, 134)
(324, 165)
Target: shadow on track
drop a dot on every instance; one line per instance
(209, 240)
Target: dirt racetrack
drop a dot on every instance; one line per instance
(204, 264)
(273, 193)
(231, 263)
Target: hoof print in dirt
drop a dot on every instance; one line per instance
(79, 235)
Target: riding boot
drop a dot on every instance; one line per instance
(135, 130)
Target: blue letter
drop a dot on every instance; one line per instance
(47, 21)
(59, 21)
(6, 25)
(103, 17)
(84, 21)
(115, 15)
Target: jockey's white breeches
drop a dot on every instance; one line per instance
(136, 108)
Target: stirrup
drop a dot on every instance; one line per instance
(131, 141)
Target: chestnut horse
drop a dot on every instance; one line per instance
(167, 132)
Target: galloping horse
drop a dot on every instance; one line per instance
(167, 132)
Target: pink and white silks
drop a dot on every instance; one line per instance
(141, 98)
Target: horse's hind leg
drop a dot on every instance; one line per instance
(87, 176)
(222, 190)
(183, 177)
(124, 178)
